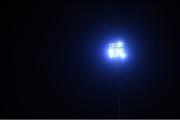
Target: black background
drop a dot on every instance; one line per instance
(55, 64)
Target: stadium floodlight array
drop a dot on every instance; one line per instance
(116, 50)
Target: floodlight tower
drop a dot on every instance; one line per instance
(116, 52)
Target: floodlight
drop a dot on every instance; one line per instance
(116, 50)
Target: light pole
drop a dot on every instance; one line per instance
(116, 52)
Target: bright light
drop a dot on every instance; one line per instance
(111, 52)
(123, 55)
(116, 50)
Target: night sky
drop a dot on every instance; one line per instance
(55, 62)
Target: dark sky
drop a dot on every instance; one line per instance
(55, 63)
